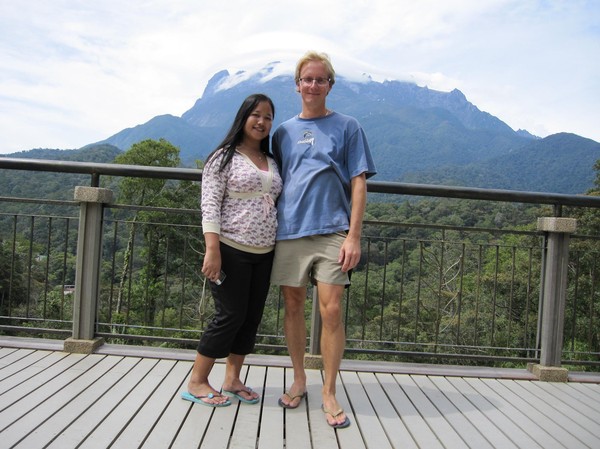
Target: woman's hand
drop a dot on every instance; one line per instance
(211, 267)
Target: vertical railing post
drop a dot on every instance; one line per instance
(87, 276)
(313, 359)
(554, 292)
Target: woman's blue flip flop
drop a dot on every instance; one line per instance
(200, 399)
(236, 394)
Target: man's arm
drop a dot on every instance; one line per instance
(350, 250)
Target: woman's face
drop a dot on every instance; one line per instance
(259, 122)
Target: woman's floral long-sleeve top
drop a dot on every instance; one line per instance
(238, 203)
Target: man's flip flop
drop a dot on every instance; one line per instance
(341, 425)
(200, 399)
(292, 399)
(236, 394)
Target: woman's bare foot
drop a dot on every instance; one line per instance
(207, 394)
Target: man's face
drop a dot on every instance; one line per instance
(311, 74)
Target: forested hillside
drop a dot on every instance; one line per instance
(559, 163)
(55, 186)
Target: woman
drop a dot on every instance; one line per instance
(240, 184)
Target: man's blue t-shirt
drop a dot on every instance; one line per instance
(317, 159)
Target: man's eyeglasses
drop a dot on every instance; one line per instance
(320, 81)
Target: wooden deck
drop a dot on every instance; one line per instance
(124, 398)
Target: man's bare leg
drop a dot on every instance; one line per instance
(295, 335)
(333, 341)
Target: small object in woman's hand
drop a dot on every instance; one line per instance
(221, 278)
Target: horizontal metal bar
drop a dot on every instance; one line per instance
(398, 188)
(187, 174)
(483, 194)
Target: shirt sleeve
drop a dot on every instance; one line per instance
(360, 159)
(214, 186)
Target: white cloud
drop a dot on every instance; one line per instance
(74, 72)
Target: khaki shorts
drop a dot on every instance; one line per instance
(309, 259)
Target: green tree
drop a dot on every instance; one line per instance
(12, 289)
(582, 320)
(155, 238)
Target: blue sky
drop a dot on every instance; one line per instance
(73, 72)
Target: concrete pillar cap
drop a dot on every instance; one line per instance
(93, 194)
(557, 224)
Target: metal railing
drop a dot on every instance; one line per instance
(423, 290)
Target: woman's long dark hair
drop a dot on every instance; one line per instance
(235, 134)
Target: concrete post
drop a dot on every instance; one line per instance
(554, 293)
(87, 277)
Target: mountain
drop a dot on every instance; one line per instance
(416, 134)
(560, 163)
(190, 139)
(420, 127)
(409, 127)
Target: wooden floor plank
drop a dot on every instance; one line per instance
(195, 425)
(31, 395)
(537, 411)
(590, 393)
(64, 407)
(14, 387)
(439, 397)
(29, 367)
(35, 410)
(152, 413)
(372, 432)
(9, 356)
(556, 394)
(530, 425)
(578, 399)
(247, 424)
(56, 400)
(464, 403)
(165, 431)
(320, 431)
(120, 417)
(350, 437)
(297, 431)
(436, 421)
(121, 380)
(5, 352)
(271, 434)
(222, 420)
(25, 360)
(410, 416)
(561, 414)
(392, 423)
(489, 405)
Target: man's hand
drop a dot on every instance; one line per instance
(349, 254)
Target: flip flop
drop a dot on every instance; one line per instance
(292, 398)
(341, 425)
(236, 394)
(199, 399)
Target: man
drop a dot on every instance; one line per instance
(324, 160)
